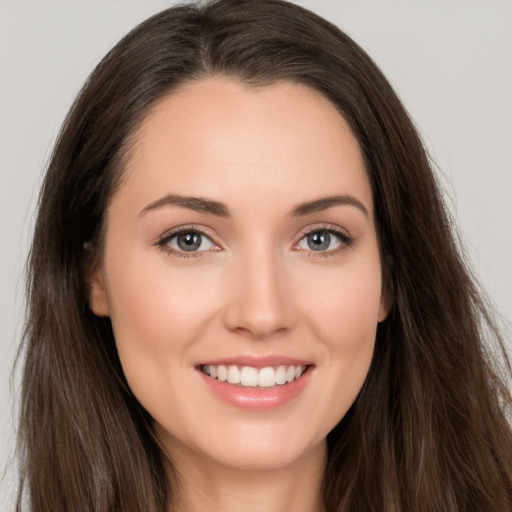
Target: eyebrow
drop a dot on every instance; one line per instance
(200, 204)
(197, 204)
(328, 202)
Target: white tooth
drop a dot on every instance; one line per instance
(206, 369)
(249, 376)
(233, 375)
(213, 371)
(222, 373)
(298, 371)
(266, 377)
(281, 375)
(290, 374)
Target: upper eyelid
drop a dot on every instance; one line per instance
(163, 242)
(173, 232)
(346, 240)
(326, 227)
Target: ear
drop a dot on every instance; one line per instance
(385, 305)
(98, 297)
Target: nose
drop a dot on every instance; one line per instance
(258, 300)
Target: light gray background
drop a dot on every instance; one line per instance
(450, 61)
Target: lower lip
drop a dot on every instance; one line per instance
(257, 399)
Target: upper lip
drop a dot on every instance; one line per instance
(257, 361)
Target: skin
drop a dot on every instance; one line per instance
(256, 289)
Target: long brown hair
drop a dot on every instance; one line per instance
(429, 429)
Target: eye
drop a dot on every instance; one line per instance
(188, 241)
(323, 240)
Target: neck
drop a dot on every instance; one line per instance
(206, 485)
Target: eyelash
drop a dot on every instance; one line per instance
(346, 241)
(163, 242)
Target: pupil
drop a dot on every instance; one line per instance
(189, 241)
(319, 241)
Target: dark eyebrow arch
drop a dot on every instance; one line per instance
(197, 204)
(323, 203)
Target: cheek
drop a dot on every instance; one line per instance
(151, 304)
(343, 315)
(344, 305)
(157, 314)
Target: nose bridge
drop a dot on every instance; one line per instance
(258, 301)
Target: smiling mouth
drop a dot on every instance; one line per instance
(248, 376)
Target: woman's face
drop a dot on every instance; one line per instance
(241, 245)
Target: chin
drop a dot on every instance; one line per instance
(268, 458)
(250, 447)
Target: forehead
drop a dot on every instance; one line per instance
(223, 139)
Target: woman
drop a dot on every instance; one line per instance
(244, 292)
